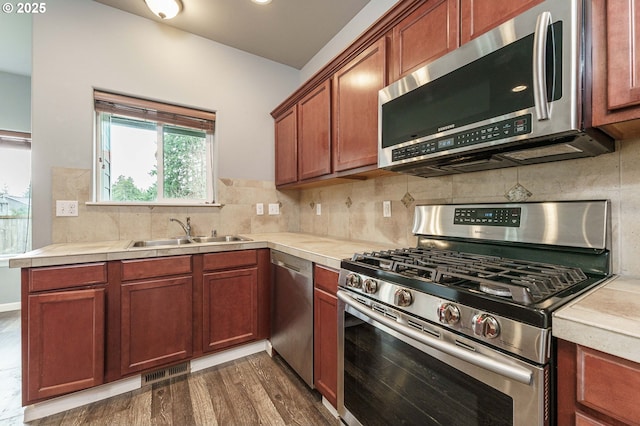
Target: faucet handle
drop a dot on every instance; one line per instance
(214, 233)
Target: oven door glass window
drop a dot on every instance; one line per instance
(389, 382)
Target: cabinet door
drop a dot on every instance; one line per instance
(616, 95)
(428, 33)
(479, 16)
(325, 336)
(594, 388)
(623, 34)
(229, 309)
(325, 345)
(355, 108)
(156, 323)
(65, 342)
(314, 133)
(286, 147)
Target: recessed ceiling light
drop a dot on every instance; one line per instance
(261, 1)
(165, 9)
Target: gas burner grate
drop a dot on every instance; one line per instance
(523, 281)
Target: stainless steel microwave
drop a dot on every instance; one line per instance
(519, 94)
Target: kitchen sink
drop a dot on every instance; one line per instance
(162, 242)
(184, 240)
(219, 239)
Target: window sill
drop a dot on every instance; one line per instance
(151, 205)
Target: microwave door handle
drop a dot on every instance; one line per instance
(543, 108)
(513, 372)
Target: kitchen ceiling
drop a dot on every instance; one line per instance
(290, 32)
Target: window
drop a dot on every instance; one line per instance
(15, 193)
(150, 152)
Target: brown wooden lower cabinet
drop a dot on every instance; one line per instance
(325, 338)
(595, 388)
(230, 308)
(156, 323)
(65, 343)
(87, 324)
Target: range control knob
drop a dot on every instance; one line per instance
(354, 280)
(370, 286)
(402, 297)
(448, 314)
(486, 326)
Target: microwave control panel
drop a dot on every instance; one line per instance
(489, 133)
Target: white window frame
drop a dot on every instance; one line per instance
(211, 164)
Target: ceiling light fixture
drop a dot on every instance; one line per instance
(165, 9)
(261, 1)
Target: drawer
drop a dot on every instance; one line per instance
(157, 267)
(608, 384)
(229, 259)
(325, 279)
(68, 276)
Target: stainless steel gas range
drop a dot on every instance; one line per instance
(457, 330)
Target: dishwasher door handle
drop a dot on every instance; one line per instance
(285, 265)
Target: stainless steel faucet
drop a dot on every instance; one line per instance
(186, 228)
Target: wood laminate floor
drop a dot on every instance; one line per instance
(255, 390)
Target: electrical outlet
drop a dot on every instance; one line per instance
(259, 208)
(318, 209)
(66, 208)
(386, 209)
(274, 208)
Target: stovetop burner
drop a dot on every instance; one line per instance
(524, 282)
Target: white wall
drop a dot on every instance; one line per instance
(363, 20)
(81, 45)
(15, 102)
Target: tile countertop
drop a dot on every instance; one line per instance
(321, 250)
(606, 319)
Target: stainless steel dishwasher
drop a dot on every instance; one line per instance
(292, 312)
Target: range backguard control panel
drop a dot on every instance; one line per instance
(488, 216)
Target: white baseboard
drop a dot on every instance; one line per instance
(6, 307)
(330, 407)
(80, 398)
(226, 356)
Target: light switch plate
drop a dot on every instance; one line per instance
(274, 208)
(318, 209)
(66, 208)
(386, 209)
(260, 208)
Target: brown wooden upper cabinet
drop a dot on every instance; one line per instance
(431, 31)
(479, 16)
(355, 108)
(287, 147)
(616, 67)
(314, 133)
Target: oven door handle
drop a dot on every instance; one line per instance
(513, 372)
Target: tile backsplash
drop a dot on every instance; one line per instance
(354, 210)
(610, 176)
(107, 223)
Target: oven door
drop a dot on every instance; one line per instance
(394, 369)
